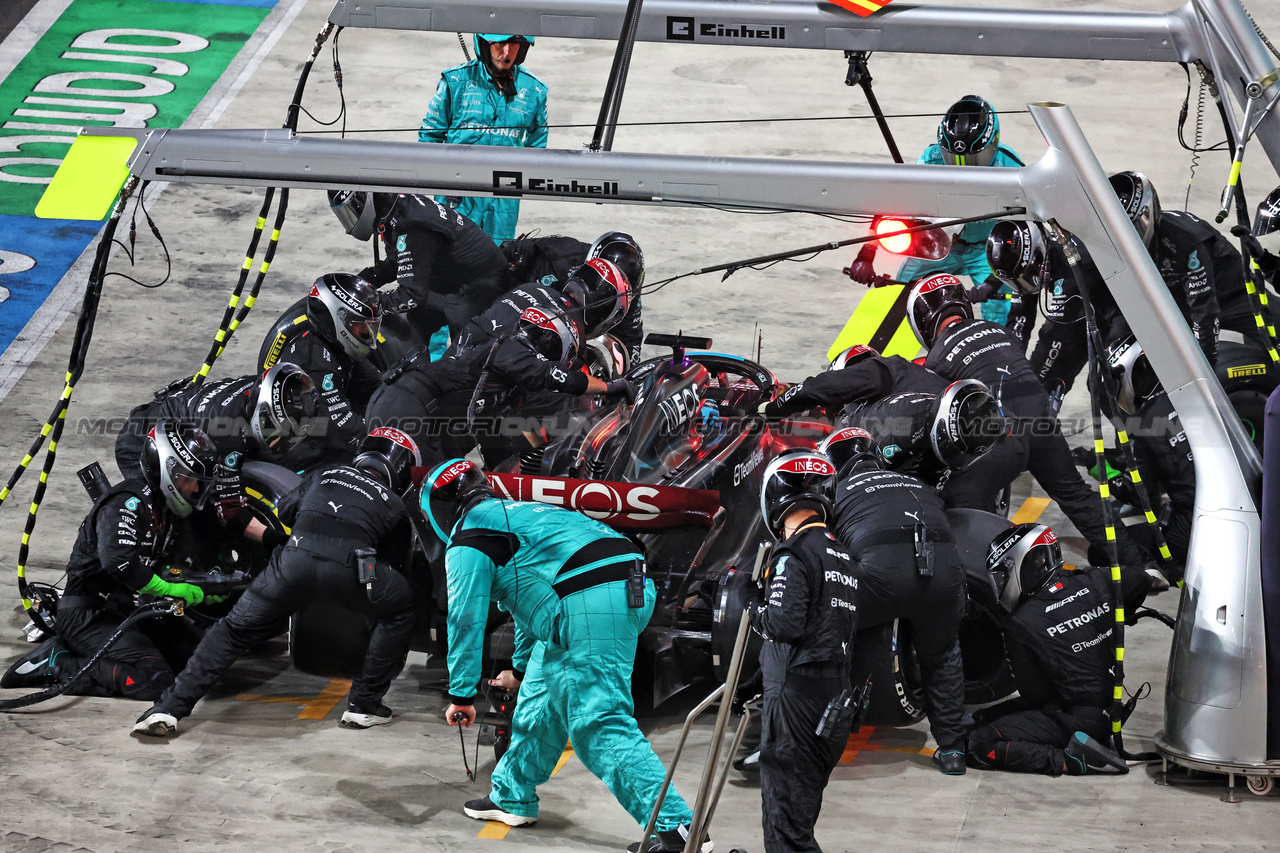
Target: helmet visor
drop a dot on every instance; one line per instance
(185, 485)
(363, 329)
(981, 157)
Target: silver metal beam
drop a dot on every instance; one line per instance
(1215, 32)
(1220, 640)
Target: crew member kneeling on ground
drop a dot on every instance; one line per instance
(341, 518)
(808, 622)
(579, 597)
(121, 546)
(1060, 639)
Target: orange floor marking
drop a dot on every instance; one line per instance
(856, 744)
(314, 708)
(906, 750)
(494, 829)
(1030, 510)
(564, 759)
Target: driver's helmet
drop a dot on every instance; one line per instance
(797, 479)
(969, 134)
(934, 299)
(551, 334)
(285, 405)
(851, 356)
(344, 310)
(180, 463)
(1018, 254)
(600, 289)
(1141, 204)
(1021, 560)
(391, 455)
(1136, 379)
(966, 425)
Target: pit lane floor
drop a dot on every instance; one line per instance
(255, 774)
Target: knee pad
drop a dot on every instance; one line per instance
(139, 681)
(983, 743)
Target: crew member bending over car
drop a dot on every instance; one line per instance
(1060, 639)
(349, 529)
(119, 553)
(808, 622)
(579, 597)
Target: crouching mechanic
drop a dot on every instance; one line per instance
(119, 549)
(1059, 636)
(341, 518)
(908, 567)
(808, 622)
(579, 597)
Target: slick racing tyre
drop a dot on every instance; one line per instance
(884, 653)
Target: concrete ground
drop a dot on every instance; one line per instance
(262, 763)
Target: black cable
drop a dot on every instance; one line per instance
(680, 123)
(155, 608)
(139, 202)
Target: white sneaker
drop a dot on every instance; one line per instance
(156, 724)
(359, 718)
(485, 809)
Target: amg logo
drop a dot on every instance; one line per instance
(688, 29)
(511, 182)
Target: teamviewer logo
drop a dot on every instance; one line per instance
(679, 29)
(510, 181)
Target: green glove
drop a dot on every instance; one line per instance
(214, 599)
(189, 593)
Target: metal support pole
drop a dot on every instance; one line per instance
(607, 123)
(675, 759)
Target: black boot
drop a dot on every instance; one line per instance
(1084, 753)
(36, 668)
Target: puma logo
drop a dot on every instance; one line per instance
(335, 506)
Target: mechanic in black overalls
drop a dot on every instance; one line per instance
(904, 551)
(961, 347)
(807, 614)
(1061, 645)
(119, 554)
(551, 261)
(334, 513)
(447, 269)
(528, 341)
(247, 417)
(330, 333)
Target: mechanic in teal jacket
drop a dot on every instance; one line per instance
(490, 100)
(968, 135)
(577, 592)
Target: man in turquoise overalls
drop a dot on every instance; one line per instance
(579, 598)
(490, 100)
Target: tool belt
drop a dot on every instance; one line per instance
(327, 537)
(898, 536)
(626, 565)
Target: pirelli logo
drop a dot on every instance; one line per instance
(1246, 370)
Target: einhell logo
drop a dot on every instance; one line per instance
(862, 8)
(690, 29)
(515, 182)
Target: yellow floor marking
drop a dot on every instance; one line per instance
(494, 829)
(1030, 510)
(314, 708)
(564, 759)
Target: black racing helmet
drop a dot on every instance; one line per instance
(624, 252)
(1018, 254)
(797, 479)
(969, 134)
(1021, 560)
(344, 310)
(851, 356)
(286, 403)
(1133, 373)
(359, 211)
(180, 463)
(1268, 220)
(851, 448)
(1138, 198)
(451, 489)
(483, 40)
(966, 425)
(934, 299)
(601, 290)
(553, 335)
(390, 455)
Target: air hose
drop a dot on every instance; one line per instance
(1099, 382)
(158, 607)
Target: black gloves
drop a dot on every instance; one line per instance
(621, 388)
(863, 269)
(748, 692)
(986, 290)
